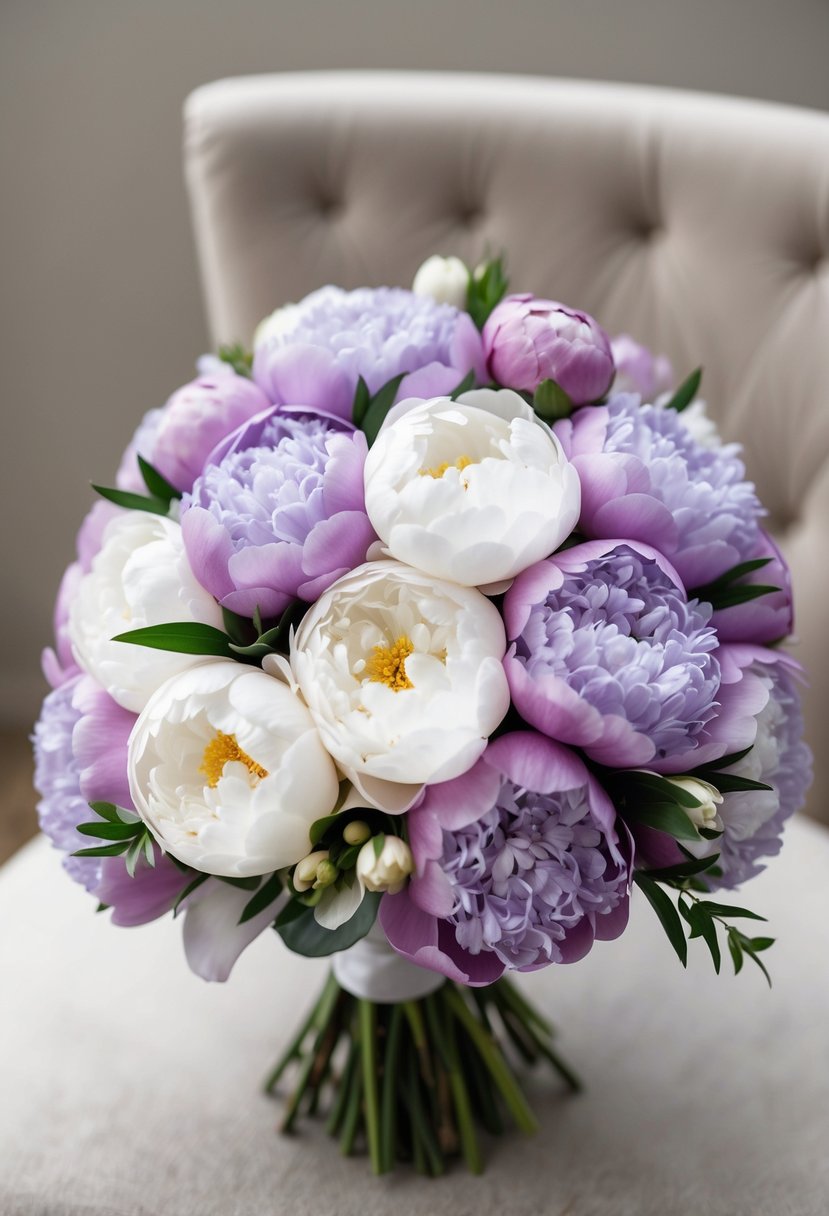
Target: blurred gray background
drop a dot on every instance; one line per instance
(100, 310)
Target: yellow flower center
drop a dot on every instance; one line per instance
(387, 664)
(221, 750)
(439, 469)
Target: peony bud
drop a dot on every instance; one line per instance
(387, 871)
(706, 815)
(356, 832)
(529, 340)
(445, 280)
(327, 873)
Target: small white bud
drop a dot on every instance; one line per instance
(445, 280)
(305, 872)
(389, 870)
(706, 815)
(356, 832)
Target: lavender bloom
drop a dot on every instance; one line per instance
(129, 476)
(644, 477)
(518, 865)
(312, 353)
(639, 370)
(57, 779)
(609, 655)
(527, 340)
(753, 820)
(768, 618)
(280, 520)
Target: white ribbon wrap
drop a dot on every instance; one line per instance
(373, 971)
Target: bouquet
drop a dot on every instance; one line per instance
(425, 634)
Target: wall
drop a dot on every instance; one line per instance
(100, 315)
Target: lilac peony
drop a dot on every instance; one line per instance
(644, 477)
(518, 865)
(768, 618)
(609, 655)
(639, 370)
(280, 520)
(312, 353)
(527, 340)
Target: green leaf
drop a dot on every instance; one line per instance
(723, 762)
(665, 790)
(667, 913)
(299, 930)
(665, 817)
(551, 402)
(686, 392)
(730, 783)
(133, 502)
(263, 898)
(703, 926)
(188, 890)
(110, 831)
(380, 405)
(683, 869)
(240, 629)
(362, 400)
(736, 952)
(760, 943)
(486, 289)
(184, 637)
(378, 843)
(113, 813)
(728, 910)
(244, 884)
(240, 359)
(738, 595)
(108, 850)
(158, 486)
(465, 386)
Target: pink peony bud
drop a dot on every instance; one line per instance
(529, 340)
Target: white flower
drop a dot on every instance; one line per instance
(227, 770)
(403, 676)
(445, 280)
(473, 490)
(140, 577)
(388, 869)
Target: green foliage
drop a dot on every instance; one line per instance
(158, 486)
(551, 402)
(465, 385)
(727, 590)
(184, 637)
(656, 802)
(298, 928)
(686, 392)
(133, 502)
(264, 897)
(240, 359)
(487, 287)
(372, 411)
(128, 836)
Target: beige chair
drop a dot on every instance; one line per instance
(701, 225)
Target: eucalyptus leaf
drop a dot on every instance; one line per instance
(301, 933)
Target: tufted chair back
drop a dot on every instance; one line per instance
(698, 224)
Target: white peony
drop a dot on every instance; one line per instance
(445, 280)
(140, 577)
(403, 676)
(227, 770)
(473, 490)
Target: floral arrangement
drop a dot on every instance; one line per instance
(424, 634)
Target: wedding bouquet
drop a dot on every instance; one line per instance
(423, 634)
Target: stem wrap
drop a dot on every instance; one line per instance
(372, 971)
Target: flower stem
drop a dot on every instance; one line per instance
(368, 1047)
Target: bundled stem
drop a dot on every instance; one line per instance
(412, 1082)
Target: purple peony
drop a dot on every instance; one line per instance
(279, 520)
(639, 370)
(609, 655)
(312, 353)
(644, 477)
(527, 340)
(518, 865)
(768, 618)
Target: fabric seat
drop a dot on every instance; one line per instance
(700, 225)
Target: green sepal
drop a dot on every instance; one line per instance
(378, 843)
(158, 485)
(183, 637)
(551, 402)
(298, 928)
(133, 502)
(264, 897)
(686, 392)
(240, 359)
(667, 913)
(378, 408)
